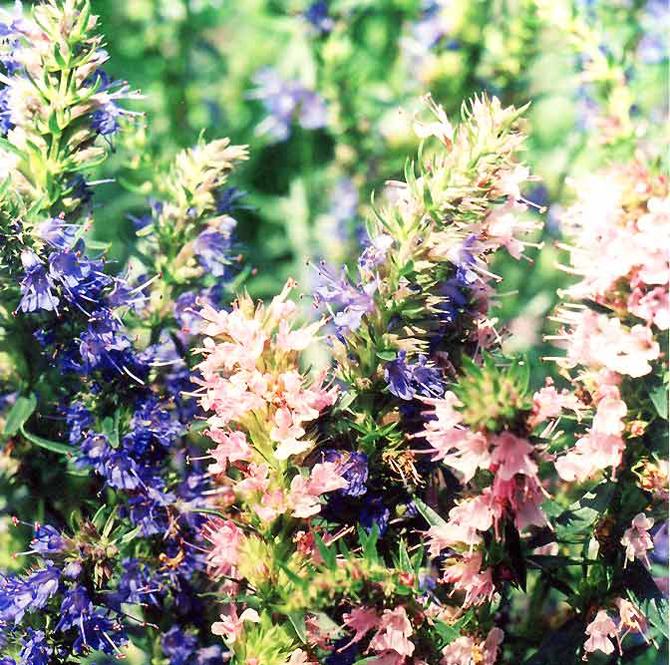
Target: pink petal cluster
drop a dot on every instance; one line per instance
(516, 492)
(231, 625)
(614, 227)
(604, 630)
(598, 341)
(390, 643)
(305, 492)
(637, 540)
(467, 576)
(250, 374)
(225, 538)
(466, 650)
(549, 403)
(602, 446)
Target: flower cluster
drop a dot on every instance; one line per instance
(614, 330)
(201, 476)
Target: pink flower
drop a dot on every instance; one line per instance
(361, 620)
(299, 657)
(225, 538)
(549, 403)
(466, 521)
(631, 620)
(272, 503)
(466, 576)
(596, 340)
(609, 415)
(304, 493)
(637, 540)
(459, 652)
(491, 646)
(256, 480)
(393, 633)
(523, 497)
(465, 651)
(653, 307)
(600, 632)
(457, 446)
(296, 340)
(233, 447)
(325, 477)
(304, 503)
(512, 455)
(230, 627)
(471, 452)
(602, 447)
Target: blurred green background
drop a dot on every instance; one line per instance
(593, 72)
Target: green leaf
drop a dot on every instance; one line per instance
(297, 620)
(98, 245)
(53, 446)
(130, 536)
(428, 513)
(328, 554)
(582, 514)
(110, 428)
(21, 410)
(198, 426)
(659, 398)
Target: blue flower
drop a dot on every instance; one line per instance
(47, 540)
(353, 302)
(375, 513)
(285, 101)
(317, 15)
(43, 584)
(212, 248)
(95, 630)
(427, 379)
(152, 424)
(148, 510)
(212, 655)
(99, 633)
(138, 584)
(35, 650)
(37, 286)
(121, 471)
(78, 419)
(375, 253)
(20, 595)
(399, 377)
(104, 345)
(178, 646)
(58, 233)
(227, 200)
(104, 120)
(405, 380)
(353, 467)
(5, 112)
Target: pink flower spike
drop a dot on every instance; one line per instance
(225, 538)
